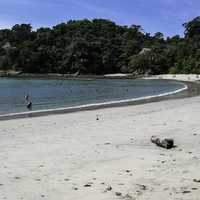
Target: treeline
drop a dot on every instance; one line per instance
(99, 47)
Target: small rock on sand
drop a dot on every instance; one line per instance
(88, 184)
(17, 177)
(142, 187)
(196, 180)
(109, 188)
(107, 143)
(186, 192)
(118, 193)
(194, 188)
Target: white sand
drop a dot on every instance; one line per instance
(117, 75)
(180, 77)
(50, 157)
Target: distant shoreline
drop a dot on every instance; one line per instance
(177, 77)
(14, 74)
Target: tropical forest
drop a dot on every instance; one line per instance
(97, 47)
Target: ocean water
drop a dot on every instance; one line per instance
(48, 94)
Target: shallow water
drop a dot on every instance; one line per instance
(46, 94)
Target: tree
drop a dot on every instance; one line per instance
(159, 36)
(192, 28)
(22, 32)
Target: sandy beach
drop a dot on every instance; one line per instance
(103, 154)
(179, 77)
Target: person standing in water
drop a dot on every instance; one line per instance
(29, 103)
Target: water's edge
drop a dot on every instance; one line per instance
(189, 87)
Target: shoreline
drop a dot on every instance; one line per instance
(190, 81)
(178, 77)
(94, 106)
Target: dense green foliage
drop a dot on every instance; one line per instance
(98, 47)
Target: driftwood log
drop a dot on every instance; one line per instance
(166, 143)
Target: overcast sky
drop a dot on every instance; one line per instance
(166, 16)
